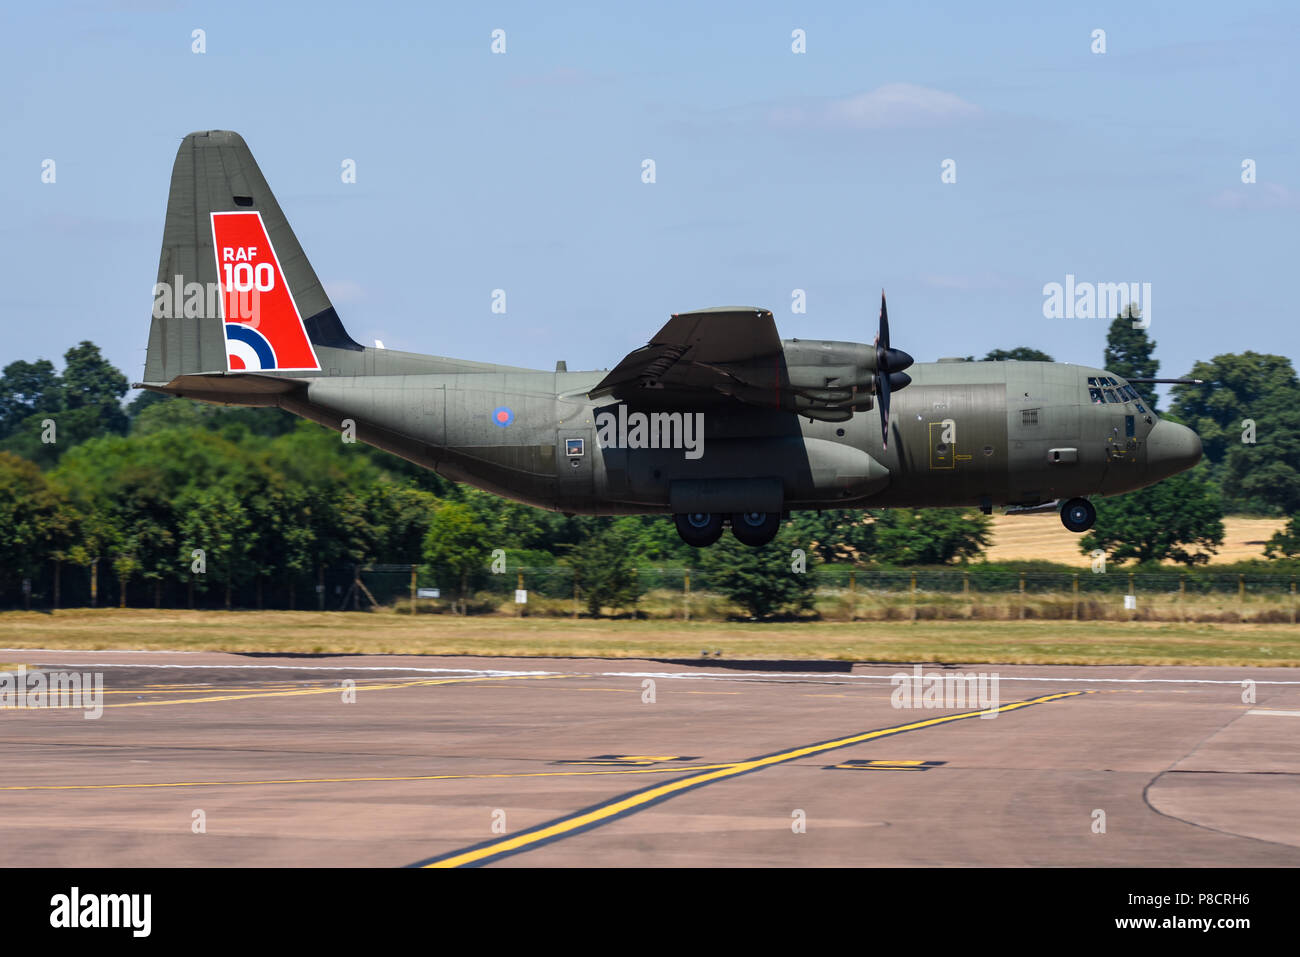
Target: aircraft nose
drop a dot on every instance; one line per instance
(1171, 448)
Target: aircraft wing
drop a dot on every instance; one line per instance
(691, 354)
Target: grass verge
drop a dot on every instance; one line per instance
(384, 632)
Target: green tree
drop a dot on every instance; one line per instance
(1019, 354)
(516, 525)
(1179, 519)
(135, 492)
(457, 542)
(37, 524)
(402, 516)
(282, 546)
(215, 519)
(91, 382)
(1247, 413)
(930, 536)
(1285, 543)
(143, 400)
(88, 393)
(236, 423)
(1129, 353)
(28, 389)
(604, 570)
(835, 535)
(764, 581)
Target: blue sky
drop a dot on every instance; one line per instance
(775, 171)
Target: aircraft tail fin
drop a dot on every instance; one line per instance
(235, 291)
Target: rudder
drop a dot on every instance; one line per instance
(235, 291)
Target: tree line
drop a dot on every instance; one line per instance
(162, 494)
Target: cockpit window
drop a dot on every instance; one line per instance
(1105, 388)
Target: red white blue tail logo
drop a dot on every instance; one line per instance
(264, 330)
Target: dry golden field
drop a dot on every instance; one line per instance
(1042, 537)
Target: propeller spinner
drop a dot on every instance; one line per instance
(889, 376)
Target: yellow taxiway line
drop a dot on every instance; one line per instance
(422, 777)
(294, 693)
(631, 802)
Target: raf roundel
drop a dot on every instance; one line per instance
(247, 349)
(502, 416)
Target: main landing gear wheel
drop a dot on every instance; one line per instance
(755, 528)
(1078, 515)
(699, 528)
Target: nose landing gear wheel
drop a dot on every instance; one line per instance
(1078, 515)
(699, 528)
(755, 528)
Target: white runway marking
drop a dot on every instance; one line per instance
(1280, 714)
(405, 668)
(840, 677)
(766, 676)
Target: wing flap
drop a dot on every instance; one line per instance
(689, 356)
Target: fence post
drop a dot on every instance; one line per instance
(1241, 589)
(575, 594)
(413, 567)
(519, 586)
(1293, 599)
(1075, 614)
(320, 587)
(1182, 597)
(687, 595)
(94, 582)
(1022, 594)
(913, 596)
(58, 571)
(853, 595)
(1132, 591)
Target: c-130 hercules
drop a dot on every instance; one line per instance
(716, 421)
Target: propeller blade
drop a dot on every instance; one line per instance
(882, 340)
(898, 380)
(882, 391)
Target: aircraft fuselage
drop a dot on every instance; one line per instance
(962, 434)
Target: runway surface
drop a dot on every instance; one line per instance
(218, 760)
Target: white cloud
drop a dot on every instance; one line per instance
(891, 106)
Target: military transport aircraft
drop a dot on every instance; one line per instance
(716, 421)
